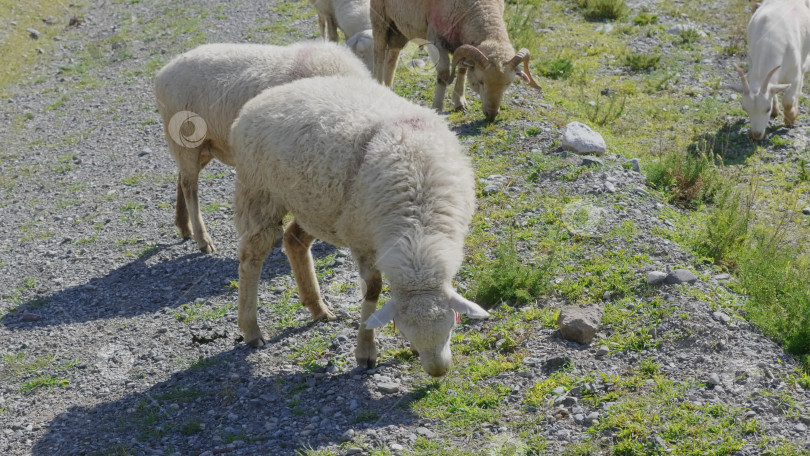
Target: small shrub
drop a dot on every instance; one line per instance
(778, 141)
(689, 177)
(602, 113)
(688, 36)
(508, 279)
(559, 68)
(804, 176)
(726, 227)
(598, 10)
(641, 62)
(645, 19)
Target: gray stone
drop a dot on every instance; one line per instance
(636, 166)
(590, 160)
(579, 418)
(678, 28)
(559, 391)
(580, 139)
(721, 317)
(800, 427)
(609, 187)
(579, 323)
(388, 388)
(396, 447)
(604, 28)
(680, 276)
(353, 450)
(425, 432)
(492, 189)
(806, 211)
(33, 33)
(602, 350)
(656, 277)
(713, 380)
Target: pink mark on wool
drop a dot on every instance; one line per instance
(414, 123)
(449, 30)
(299, 67)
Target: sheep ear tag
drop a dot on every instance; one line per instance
(382, 316)
(467, 307)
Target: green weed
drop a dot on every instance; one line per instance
(641, 62)
(42, 381)
(645, 19)
(597, 10)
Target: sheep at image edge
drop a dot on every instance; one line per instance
(352, 17)
(475, 33)
(778, 47)
(208, 85)
(358, 167)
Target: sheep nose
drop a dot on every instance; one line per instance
(756, 136)
(436, 370)
(490, 114)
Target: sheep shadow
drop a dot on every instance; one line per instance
(730, 142)
(472, 128)
(221, 399)
(144, 286)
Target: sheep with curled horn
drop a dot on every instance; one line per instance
(475, 33)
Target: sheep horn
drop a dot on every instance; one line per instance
(468, 51)
(746, 88)
(523, 56)
(767, 80)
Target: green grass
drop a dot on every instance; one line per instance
(596, 10)
(42, 382)
(641, 62)
(507, 279)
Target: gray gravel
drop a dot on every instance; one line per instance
(95, 282)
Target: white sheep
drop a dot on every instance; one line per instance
(351, 17)
(360, 167)
(475, 33)
(778, 47)
(206, 87)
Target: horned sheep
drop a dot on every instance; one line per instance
(206, 87)
(359, 167)
(779, 44)
(475, 33)
(351, 17)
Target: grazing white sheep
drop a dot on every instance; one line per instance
(357, 166)
(778, 48)
(352, 17)
(206, 87)
(472, 30)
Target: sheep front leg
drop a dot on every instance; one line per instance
(297, 243)
(257, 222)
(790, 101)
(181, 219)
(459, 101)
(442, 79)
(371, 284)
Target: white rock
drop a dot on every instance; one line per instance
(580, 139)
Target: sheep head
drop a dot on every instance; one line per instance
(490, 79)
(362, 44)
(426, 319)
(759, 102)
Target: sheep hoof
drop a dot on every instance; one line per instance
(207, 248)
(324, 314)
(257, 342)
(367, 363)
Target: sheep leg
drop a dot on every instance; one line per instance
(459, 101)
(371, 284)
(442, 79)
(322, 27)
(775, 110)
(297, 243)
(790, 101)
(181, 219)
(257, 222)
(390, 66)
(332, 28)
(190, 163)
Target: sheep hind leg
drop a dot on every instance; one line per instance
(181, 219)
(255, 243)
(297, 243)
(371, 281)
(775, 111)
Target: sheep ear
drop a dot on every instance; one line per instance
(382, 316)
(777, 88)
(464, 306)
(736, 87)
(352, 41)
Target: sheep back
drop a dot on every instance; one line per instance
(215, 80)
(358, 166)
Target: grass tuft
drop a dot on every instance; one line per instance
(598, 10)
